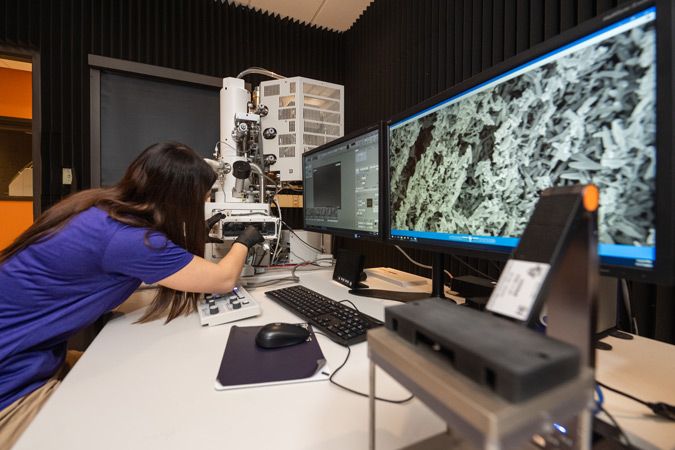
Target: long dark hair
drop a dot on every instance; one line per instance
(163, 189)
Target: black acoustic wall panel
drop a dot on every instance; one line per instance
(208, 37)
(136, 112)
(401, 52)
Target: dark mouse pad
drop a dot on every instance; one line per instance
(245, 364)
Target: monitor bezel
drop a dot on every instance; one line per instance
(342, 232)
(664, 264)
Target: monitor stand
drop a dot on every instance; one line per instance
(437, 287)
(390, 295)
(606, 323)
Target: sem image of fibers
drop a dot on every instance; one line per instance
(477, 165)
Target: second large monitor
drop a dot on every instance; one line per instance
(341, 185)
(593, 105)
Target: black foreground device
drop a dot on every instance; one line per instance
(513, 361)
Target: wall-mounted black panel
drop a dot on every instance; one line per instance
(401, 52)
(138, 112)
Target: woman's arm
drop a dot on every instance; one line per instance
(201, 275)
(204, 276)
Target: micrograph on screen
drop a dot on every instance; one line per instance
(330, 175)
(476, 164)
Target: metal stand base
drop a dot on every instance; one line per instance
(482, 419)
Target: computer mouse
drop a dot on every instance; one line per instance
(276, 335)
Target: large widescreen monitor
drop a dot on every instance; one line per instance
(593, 105)
(341, 185)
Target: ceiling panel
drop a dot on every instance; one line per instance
(340, 15)
(336, 15)
(302, 10)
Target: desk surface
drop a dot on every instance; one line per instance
(151, 386)
(645, 369)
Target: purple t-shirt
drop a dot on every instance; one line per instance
(54, 288)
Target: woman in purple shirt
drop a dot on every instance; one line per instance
(87, 254)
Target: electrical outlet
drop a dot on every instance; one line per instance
(67, 176)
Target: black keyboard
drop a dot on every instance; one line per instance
(342, 324)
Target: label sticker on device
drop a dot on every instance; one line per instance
(518, 288)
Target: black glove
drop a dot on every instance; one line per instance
(214, 220)
(250, 237)
(209, 224)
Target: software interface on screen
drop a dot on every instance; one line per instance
(469, 169)
(341, 186)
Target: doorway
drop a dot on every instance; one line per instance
(16, 147)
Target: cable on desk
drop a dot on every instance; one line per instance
(419, 264)
(660, 408)
(616, 425)
(313, 262)
(255, 284)
(351, 303)
(292, 278)
(349, 352)
(458, 259)
(600, 400)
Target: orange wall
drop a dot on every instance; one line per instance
(15, 93)
(15, 101)
(15, 218)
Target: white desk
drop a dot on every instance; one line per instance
(150, 386)
(645, 369)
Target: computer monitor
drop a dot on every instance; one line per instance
(341, 185)
(593, 105)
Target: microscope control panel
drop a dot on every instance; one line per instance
(216, 309)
